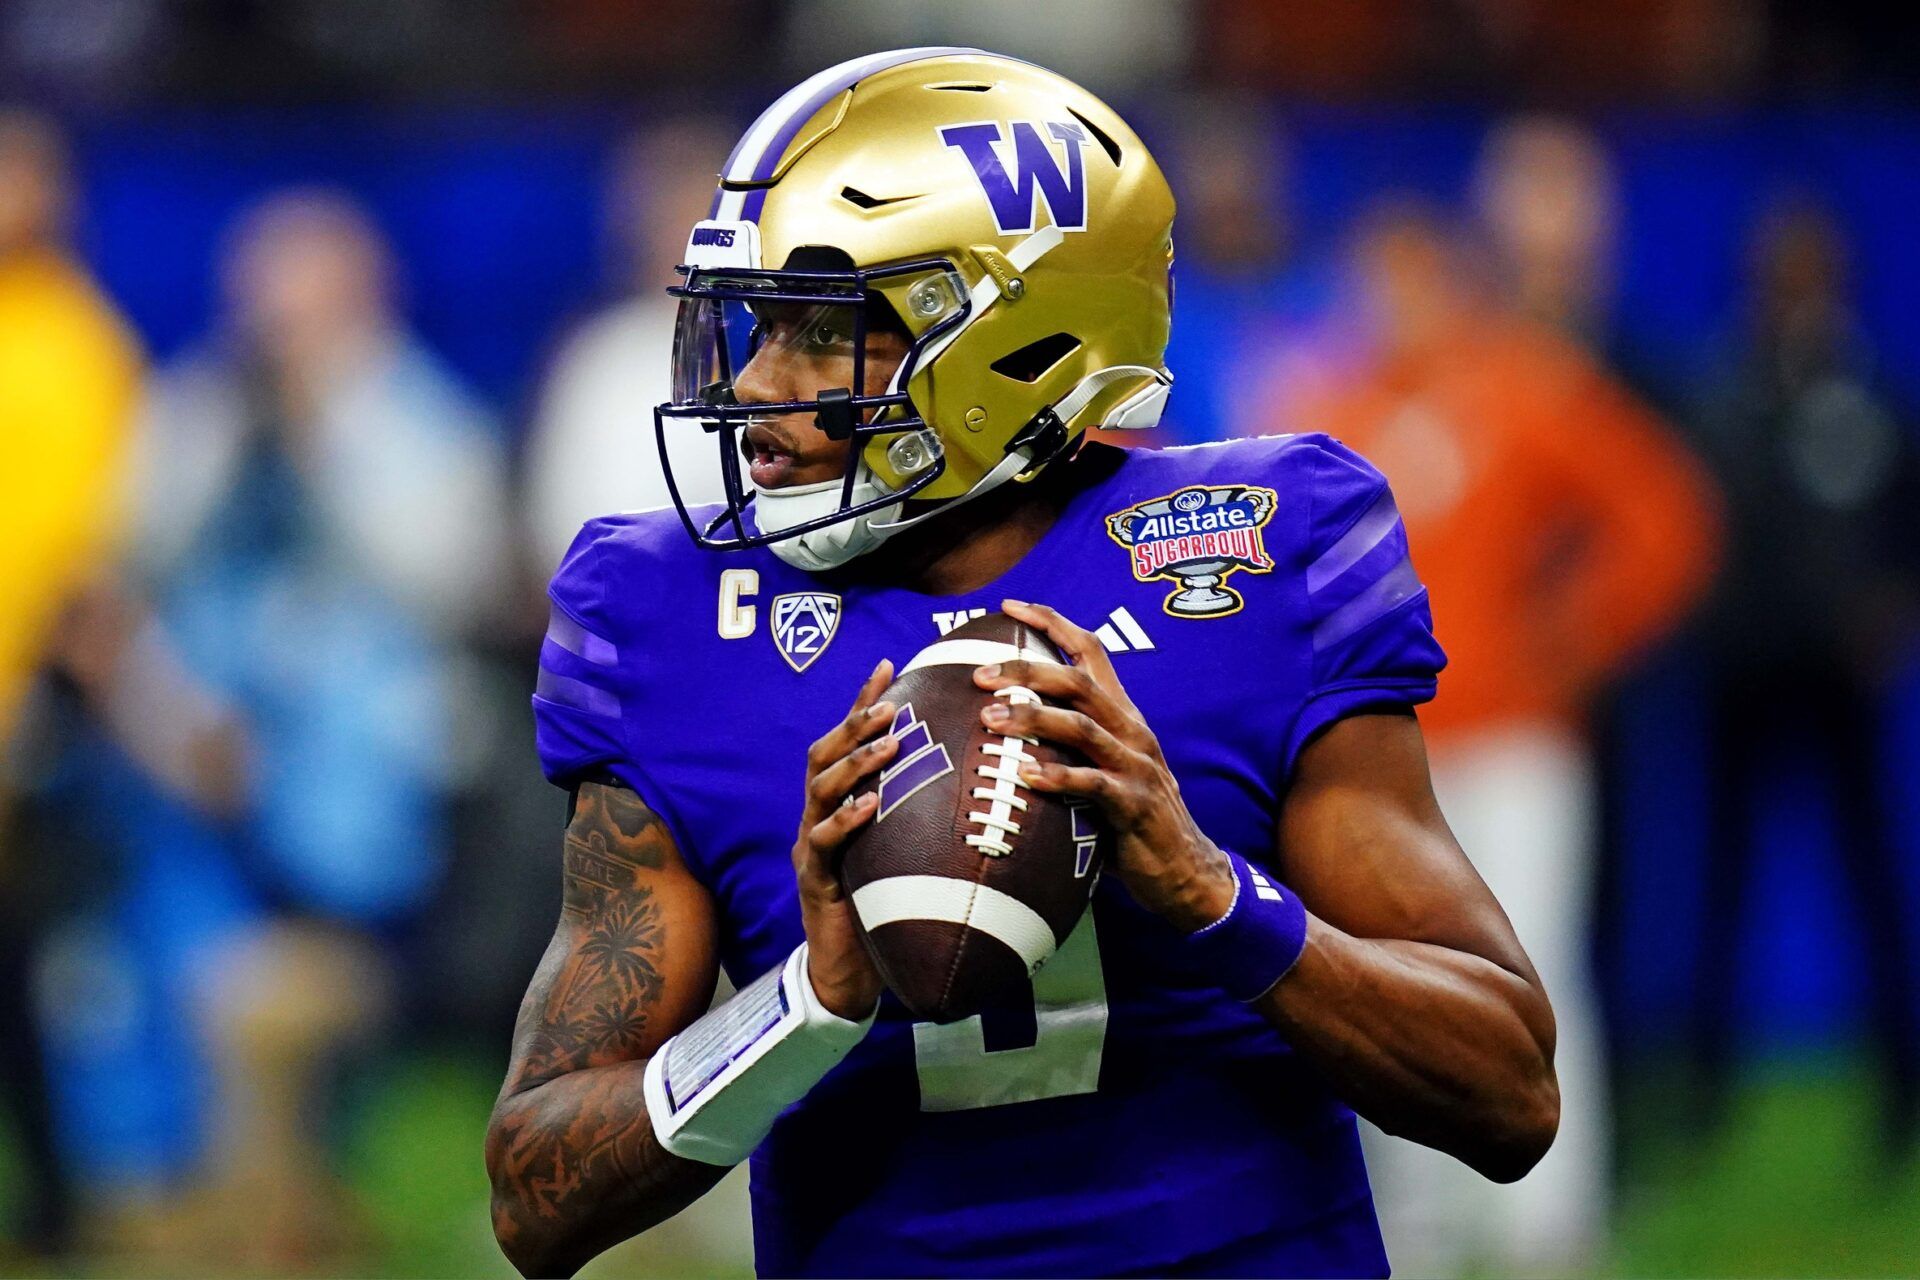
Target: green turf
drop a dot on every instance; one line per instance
(414, 1156)
(1794, 1186)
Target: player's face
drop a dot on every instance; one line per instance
(802, 351)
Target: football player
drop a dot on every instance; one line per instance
(925, 275)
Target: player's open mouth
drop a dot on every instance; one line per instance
(769, 463)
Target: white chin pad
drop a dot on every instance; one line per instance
(1140, 411)
(828, 548)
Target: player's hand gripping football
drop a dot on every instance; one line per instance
(1163, 858)
(843, 975)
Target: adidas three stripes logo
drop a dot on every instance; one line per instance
(1120, 633)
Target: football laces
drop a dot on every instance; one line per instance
(1002, 770)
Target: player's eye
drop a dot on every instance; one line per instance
(827, 335)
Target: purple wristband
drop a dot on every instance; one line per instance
(1252, 946)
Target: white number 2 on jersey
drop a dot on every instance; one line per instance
(957, 1072)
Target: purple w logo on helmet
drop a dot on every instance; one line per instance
(1036, 172)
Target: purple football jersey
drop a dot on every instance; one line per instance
(1130, 1117)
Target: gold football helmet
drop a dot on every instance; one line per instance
(1011, 221)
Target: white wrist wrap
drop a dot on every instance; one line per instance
(714, 1090)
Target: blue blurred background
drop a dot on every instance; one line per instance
(499, 217)
(303, 266)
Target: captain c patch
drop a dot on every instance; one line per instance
(1195, 538)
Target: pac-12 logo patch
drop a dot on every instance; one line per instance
(803, 625)
(1196, 537)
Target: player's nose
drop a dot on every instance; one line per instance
(768, 377)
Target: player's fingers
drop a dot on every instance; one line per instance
(1108, 705)
(1060, 725)
(880, 678)
(862, 722)
(1081, 782)
(1081, 646)
(819, 798)
(1071, 685)
(1074, 686)
(826, 839)
(844, 737)
(1084, 650)
(831, 784)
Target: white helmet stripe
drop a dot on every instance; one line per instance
(759, 150)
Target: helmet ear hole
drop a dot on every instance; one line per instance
(1107, 144)
(1031, 362)
(882, 318)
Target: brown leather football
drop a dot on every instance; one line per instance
(965, 881)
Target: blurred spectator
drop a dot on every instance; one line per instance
(1546, 193)
(592, 449)
(623, 45)
(96, 50)
(1243, 301)
(1338, 51)
(1559, 528)
(69, 374)
(321, 519)
(1682, 50)
(1111, 46)
(319, 391)
(1685, 49)
(1815, 615)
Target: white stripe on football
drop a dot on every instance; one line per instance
(976, 653)
(954, 901)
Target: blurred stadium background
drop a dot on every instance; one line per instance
(323, 323)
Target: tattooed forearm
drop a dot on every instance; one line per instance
(600, 1006)
(575, 1166)
(576, 1170)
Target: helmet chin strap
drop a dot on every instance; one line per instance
(1132, 412)
(1006, 469)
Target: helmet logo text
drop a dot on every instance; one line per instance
(1036, 173)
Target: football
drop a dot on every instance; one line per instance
(965, 881)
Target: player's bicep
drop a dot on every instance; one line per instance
(633, 958)
(1364, 844)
